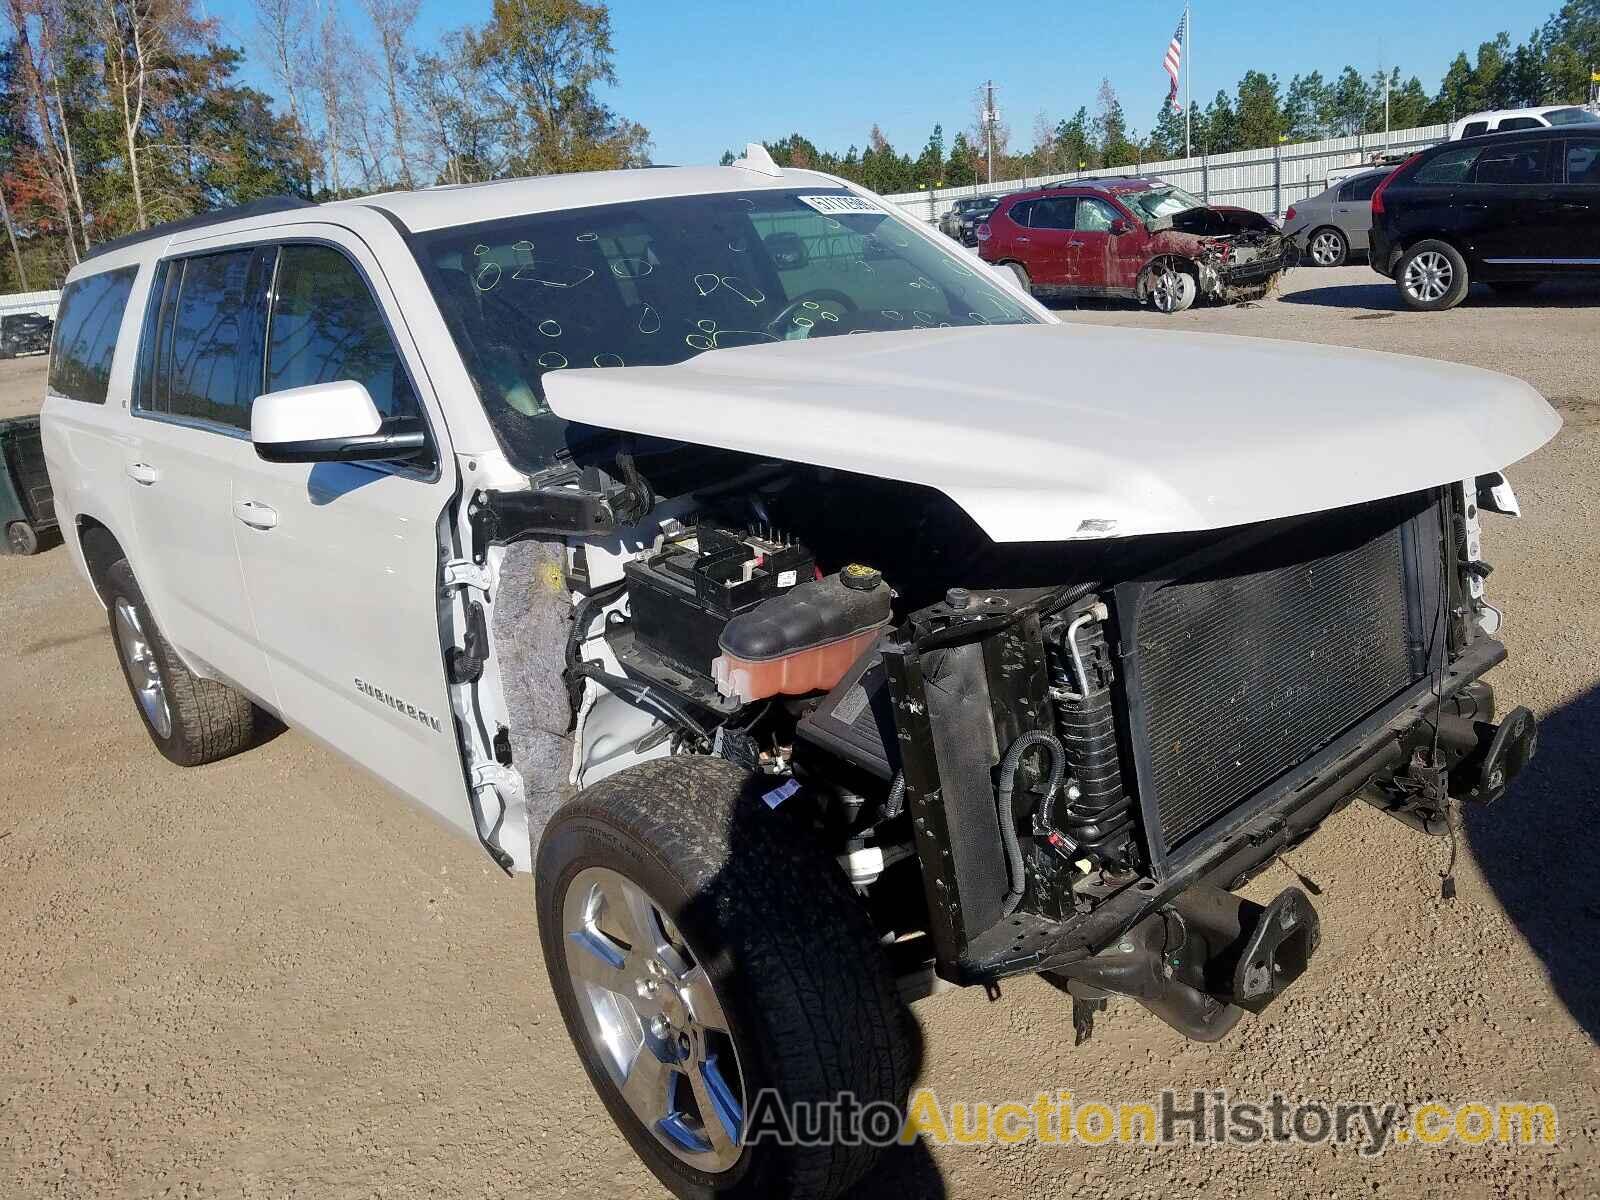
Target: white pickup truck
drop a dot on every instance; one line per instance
(912, 635)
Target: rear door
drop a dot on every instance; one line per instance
(1512, 189)
(1352, 209)
(1577, 212)
(342, 560)
(199, 369)
(1049, 253)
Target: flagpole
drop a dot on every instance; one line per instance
(1188, 68)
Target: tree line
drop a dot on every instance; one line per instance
(119, 114)
(1553, 66)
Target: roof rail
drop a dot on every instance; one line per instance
(255, 208)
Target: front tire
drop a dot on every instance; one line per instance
(1171, 290)
(1432, 276)
(1329, 247)
(705, 951)
(191, 720)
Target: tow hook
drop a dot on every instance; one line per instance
(1203, 961)
(1503, 750)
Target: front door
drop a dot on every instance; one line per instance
(1577, 212)
(1513, 192)
(199, 368)
(341, 560)
(1102, 259)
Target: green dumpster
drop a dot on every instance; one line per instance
(27, 505)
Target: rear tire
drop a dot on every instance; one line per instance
(758, 960)
(191, 720)
(1432, 276)
(1021, 274)
(1328, 247)
(22, 538)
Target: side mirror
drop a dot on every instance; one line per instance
(1121, 226)
(327, 422)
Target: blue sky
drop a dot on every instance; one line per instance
(713, 74)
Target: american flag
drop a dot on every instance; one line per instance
(1174, 60)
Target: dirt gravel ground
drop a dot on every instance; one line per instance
(267, 978)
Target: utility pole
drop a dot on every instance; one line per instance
(989, 119)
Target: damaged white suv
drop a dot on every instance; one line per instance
(912, 635)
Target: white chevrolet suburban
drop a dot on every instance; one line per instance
(810, 611)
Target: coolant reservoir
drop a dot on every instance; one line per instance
(804, 640)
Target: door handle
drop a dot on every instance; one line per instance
(143, 473)
(1023, 239)
(1074, 244)
(257, 516)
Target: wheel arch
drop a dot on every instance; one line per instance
(100, 548)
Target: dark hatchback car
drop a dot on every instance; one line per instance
(1510, 210)
(24, 333)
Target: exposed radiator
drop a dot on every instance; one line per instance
(1251, 668)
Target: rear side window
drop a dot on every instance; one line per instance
(1451, 166)
(1511, 124)
(1510, 166)
(205, 363)
(327, 326)
(1054, 213)
(1360, 188)
(1572, 116)
(1475, 129)
(1583, 161)
(1021, 213)
(87, 322)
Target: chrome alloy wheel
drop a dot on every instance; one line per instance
(1429, 277)
(653, 1019)
(1172, 291)
(1326, 249)
(140, 657)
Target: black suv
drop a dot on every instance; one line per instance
(1509, 210)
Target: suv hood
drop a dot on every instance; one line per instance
(1060, 432)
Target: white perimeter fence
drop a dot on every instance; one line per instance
(43, 303)
(1268, 181)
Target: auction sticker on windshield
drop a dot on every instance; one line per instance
(829, 205)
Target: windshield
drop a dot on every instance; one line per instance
(660, 281)
(1159, 202)
(1572, 116)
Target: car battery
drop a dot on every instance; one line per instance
(681, 595)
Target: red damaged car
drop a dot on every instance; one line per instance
(1141, 239)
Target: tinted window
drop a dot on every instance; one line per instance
(208, 362)
(1020, 213)
(87, 321)
(1475, 128)
(1053, 213)
(1523, 163)
(1511, 124)
(1452, 166)
(1583, 161)
(327, 327)
(1360, 188)
(1095, 216)
(1572, 116)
